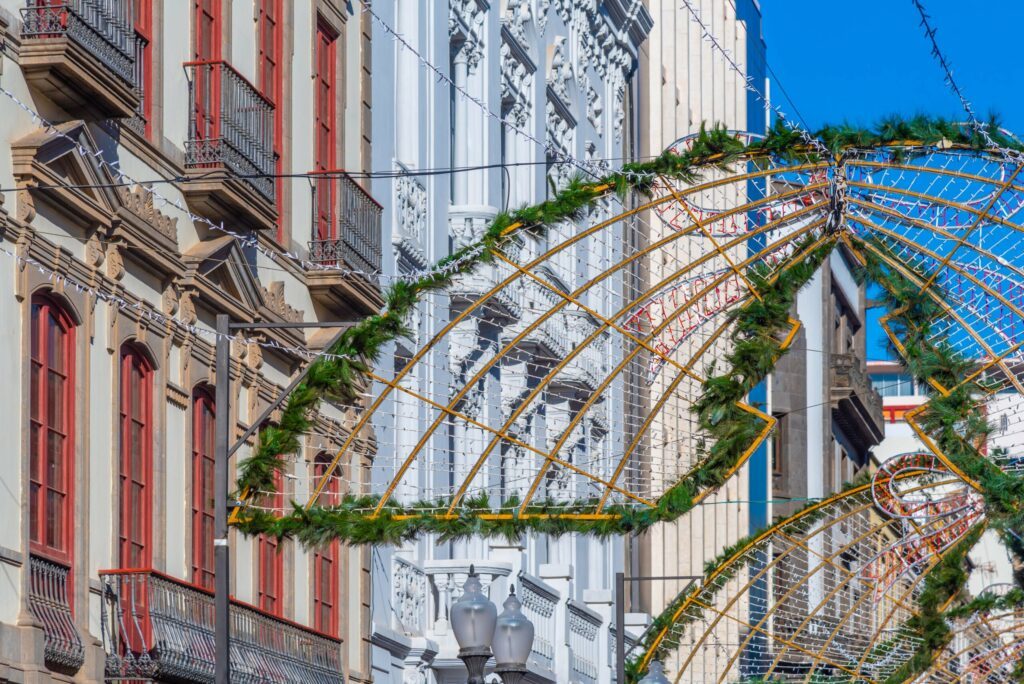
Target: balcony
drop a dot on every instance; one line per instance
(230, 145)
(347, 246)
(48, 602)
(158, 627)
(81, 55)
(856, 406)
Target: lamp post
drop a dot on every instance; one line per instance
(655, 674)
(477, 625)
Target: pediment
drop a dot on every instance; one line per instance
(220, 270)
(63, 171)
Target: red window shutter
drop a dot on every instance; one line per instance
(136, 471)
(51, 421)
(326, 561)
(271, 84)
(203, 413)
(270, 572)
(326, 131)
(144, 60)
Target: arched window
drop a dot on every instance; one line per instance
(136, 459)
(326, 559)
(203, 414)
(51, 419)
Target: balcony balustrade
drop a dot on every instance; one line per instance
(540, 601)
(158, 627)
(230, 145)
(347, 237)
(81, 54)
(583, 642)
(856, 405)
(410, 596)
(48, 596)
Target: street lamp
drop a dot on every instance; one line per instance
(476, 625)
(513, 640)
(655, 674)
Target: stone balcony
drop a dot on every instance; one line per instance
(856, 406)
(347, 249)
(81, 55)
(161, 628)
(230, 148)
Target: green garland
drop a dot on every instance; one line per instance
(760, 326)
(341, 374)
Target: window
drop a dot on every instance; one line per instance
(326, 133)
(271, 563)
(271, 83)
(326, 560)
(143, 21)
(203, 415)
(136, 470)
(51, 421)
(778, 443)
(207, 79)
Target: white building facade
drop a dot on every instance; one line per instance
(531, 92)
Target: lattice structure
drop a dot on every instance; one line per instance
(567, 375)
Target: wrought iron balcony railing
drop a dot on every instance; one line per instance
(231, 125)
(48, 595)
(101, 27)
(155, 626)
(346, 224)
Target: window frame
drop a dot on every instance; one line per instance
(202, 397)
(39, 398)
(325, 124)
(272, 12)
(269, 554)
(133, 358)
(329, 556)
(142, 24)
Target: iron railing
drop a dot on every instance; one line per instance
(346, 224)
(102, 27)
(137, 121)
(155, 626)
(231, 125)
(48, 599)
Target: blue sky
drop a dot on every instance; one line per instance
(858, 60)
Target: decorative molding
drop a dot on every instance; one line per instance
(273, 296)
(410, 218)
(177, 395)
(140, 202)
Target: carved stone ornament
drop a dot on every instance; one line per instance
(169, 300)
(115, 263)
(239, 346)
(26, 204)
(254, 357)
(543, 6)
(516, 83)
(187, 309)
(465, 30)
(274, 297)
(560, 73)
(518, 14)
(140, 201)
(94, 255)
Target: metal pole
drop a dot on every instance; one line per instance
(222, 407)
(620, 628)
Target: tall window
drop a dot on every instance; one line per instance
(144, 62)
(203, 414)
(326, 132)
(326, 561)
(271, 563)
(207, 80)
(271, 83)
(51, 478)
(136, 471)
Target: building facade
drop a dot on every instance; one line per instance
(516, 96)
(686, 83)
(146, 147)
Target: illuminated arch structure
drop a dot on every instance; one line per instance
(555, 390)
